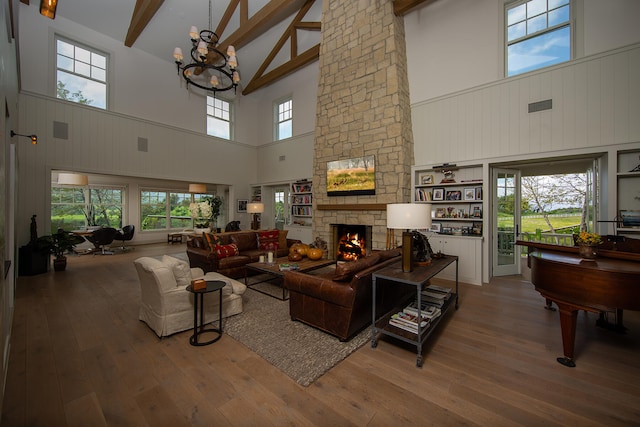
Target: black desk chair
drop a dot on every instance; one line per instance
(101, 238)
(125, 235)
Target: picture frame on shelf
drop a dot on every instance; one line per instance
(438, 193)
(476, 229)
(476, 212)
(435, 227)
(242, 205)
(426, 179)
(469, 194)
(440, 212)
(454, 195)
(629, 218)
(478, 195)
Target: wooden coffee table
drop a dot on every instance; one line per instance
(273, 269)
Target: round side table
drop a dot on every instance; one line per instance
(198, 300)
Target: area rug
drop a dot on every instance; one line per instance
(300, 351)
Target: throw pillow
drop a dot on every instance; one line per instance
(346, 270)
(268, 240)
(212, 241)
(225, 251)
(181, 269)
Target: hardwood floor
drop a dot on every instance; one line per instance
(80, 357)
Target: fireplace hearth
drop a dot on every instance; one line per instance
(351, 242)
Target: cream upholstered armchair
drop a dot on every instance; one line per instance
(167, 307)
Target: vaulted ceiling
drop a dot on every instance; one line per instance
(273, 38)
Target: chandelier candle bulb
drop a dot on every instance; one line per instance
(231, 51)
(193, 32)
(177, 54)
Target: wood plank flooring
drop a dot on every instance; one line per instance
(80, 357)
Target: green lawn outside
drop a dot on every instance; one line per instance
(530, 225)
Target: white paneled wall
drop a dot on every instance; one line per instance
(596, 102)
(102, 142)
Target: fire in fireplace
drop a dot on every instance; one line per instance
(351, 241)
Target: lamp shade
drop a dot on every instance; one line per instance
(197, 188)
(409, 216)
(73, 179)
(255, 207)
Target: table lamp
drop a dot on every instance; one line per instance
(255, 208)
(408, 216)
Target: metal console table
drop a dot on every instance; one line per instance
(418, 278)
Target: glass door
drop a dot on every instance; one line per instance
(506, 222)
(280, 206)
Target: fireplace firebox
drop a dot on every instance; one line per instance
(351, 242)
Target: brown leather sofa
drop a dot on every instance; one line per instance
(201, 256)
(339, 302)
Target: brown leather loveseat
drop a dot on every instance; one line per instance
(230, 261)
(339, 302)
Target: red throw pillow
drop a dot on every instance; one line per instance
(225, 251)
(268, 240)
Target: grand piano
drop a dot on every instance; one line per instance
(610, 283)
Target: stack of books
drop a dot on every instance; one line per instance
(289, 267)
(432, 299)
(435, 295)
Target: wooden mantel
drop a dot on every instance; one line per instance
(353, 207)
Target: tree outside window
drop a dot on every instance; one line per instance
(81, 74)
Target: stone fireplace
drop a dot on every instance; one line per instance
(363, 109)
(351, 242)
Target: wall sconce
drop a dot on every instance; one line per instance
(34, 138)
(408, 216)
(198, 188)
(48, 8)
(255, 208)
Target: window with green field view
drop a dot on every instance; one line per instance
(166, 210)
(74, 208)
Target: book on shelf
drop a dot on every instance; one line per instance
(428, 312)
(403, 326)
(437, 288)
(410, 319)
(435, 295)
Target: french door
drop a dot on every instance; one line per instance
(506, 221)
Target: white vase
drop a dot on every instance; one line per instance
(202, 230)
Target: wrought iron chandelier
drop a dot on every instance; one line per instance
(210, 69)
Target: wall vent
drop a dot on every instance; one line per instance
(281, 158)
(540, 106)
(143, 144)
(61, 130)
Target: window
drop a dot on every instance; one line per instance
(73, 208)
(160, 210)
(284, 119)
(81, 74)
(219, 118)
(538, 34)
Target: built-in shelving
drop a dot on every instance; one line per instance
(628, 197)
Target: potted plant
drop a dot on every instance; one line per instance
(587, 244)
(58, 244)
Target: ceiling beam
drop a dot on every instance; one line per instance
(272, 13)
(402, 7)
(289, 67)
(296, 61)
(142, 14)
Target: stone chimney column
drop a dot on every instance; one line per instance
(363, 109)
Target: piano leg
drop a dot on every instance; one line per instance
(548, 306)
(604, 323)
(568, 316)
